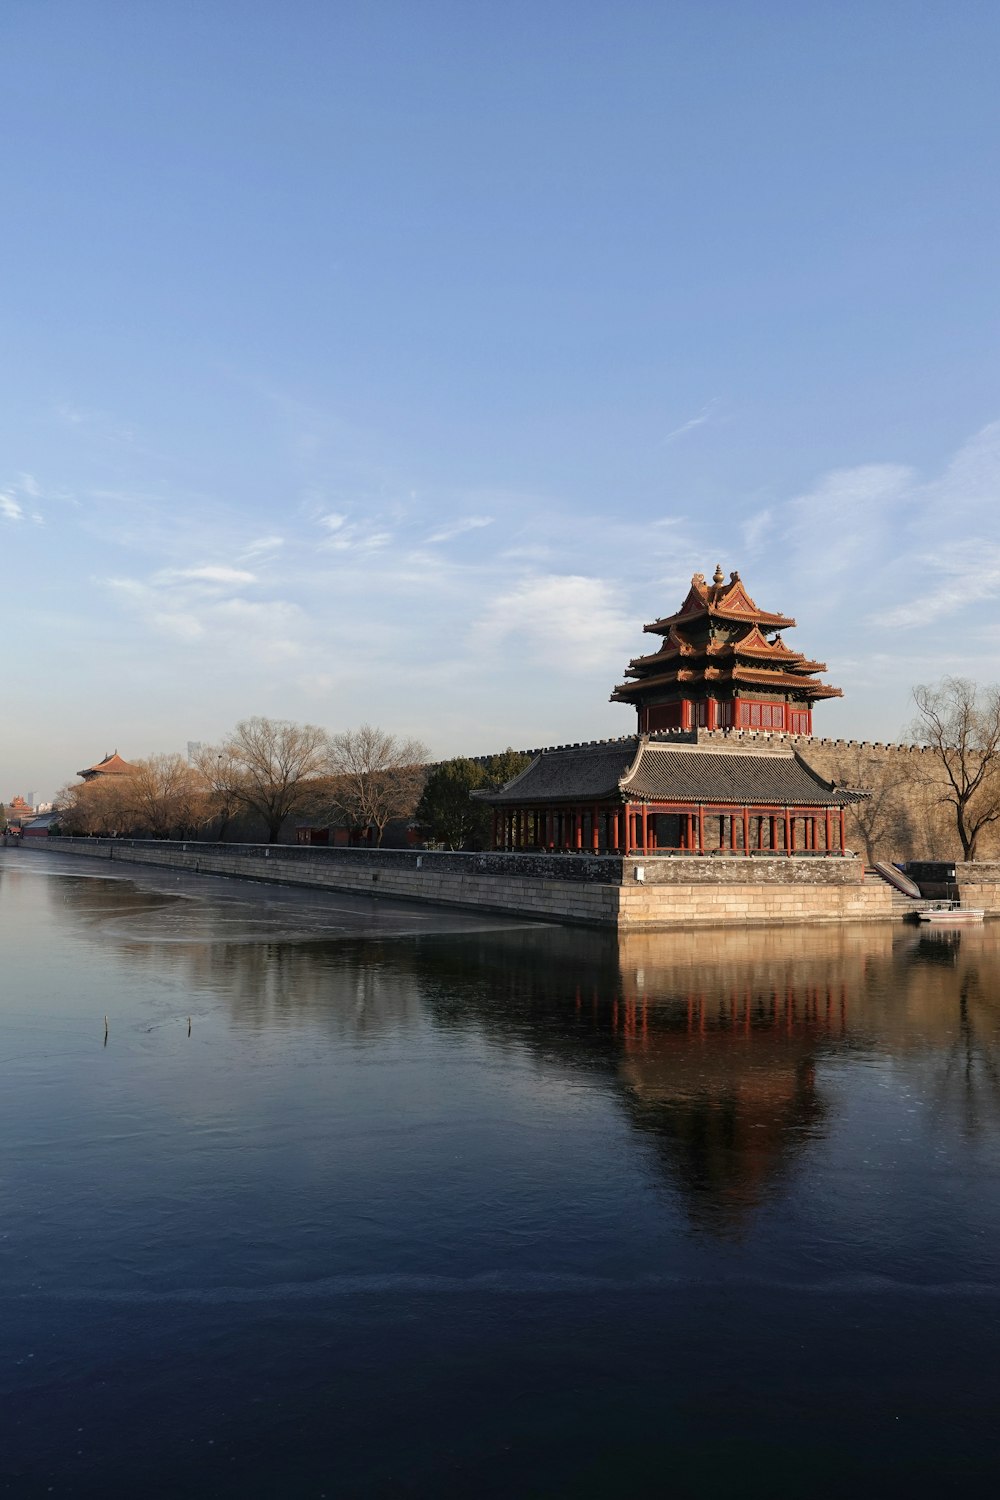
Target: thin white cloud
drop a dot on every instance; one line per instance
(572, 622)
(355, 536)
(459, 528)
(698, 420)
(261, 546)
(757, 529)
(175, 604)
(968, 574)
(206, 574)
(9, 507)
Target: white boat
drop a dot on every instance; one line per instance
(948, 913)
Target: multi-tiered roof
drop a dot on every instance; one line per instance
(723, 664)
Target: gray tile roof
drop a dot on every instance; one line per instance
(597, 772)
(664, 775)
(585, 773)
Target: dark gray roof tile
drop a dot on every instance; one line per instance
(589, 773)
(664, 775)
(596, 773)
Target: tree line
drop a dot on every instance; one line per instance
(267, 771)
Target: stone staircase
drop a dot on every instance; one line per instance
(902, 906)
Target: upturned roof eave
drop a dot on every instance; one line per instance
(755, 617)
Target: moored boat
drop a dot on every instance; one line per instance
(948, 913)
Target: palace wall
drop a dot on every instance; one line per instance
(905, 816)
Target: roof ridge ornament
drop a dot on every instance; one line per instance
(718, 576)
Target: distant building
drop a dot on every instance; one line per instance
(111, 765)
(41, 826)
(17, 809)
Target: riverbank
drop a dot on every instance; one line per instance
(627, 894)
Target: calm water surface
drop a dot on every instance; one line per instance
(429, 1204)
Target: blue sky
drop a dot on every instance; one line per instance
(396, 362)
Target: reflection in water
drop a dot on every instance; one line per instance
(514, 1196)
(712, 1042)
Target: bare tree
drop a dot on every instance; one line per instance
(218, 770)
(960, 724)
(375, 776)
(269, 767)
(102, 805)
(167, 795)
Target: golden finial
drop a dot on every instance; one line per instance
(717, 575)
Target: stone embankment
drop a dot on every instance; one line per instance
(631, 894)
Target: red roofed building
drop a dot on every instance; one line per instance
(718, 669)
(111, 765)
(712, 768)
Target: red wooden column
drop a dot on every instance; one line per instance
(733, 846)
(789, 844)
(644, 821)
(712, 714)
(843, 844)
(829, 833)
(746, 830)
(685, 713)
(578, 817)
(701, 829)
(595, 829)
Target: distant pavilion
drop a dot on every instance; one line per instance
(111, 765)
(712, 768)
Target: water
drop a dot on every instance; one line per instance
(431, 1204)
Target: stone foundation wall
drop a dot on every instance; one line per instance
(979, 885)
(601, 891)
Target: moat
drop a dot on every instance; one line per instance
(360, 1198)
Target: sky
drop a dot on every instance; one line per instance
(395, 363)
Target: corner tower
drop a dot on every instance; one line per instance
(722, 664)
